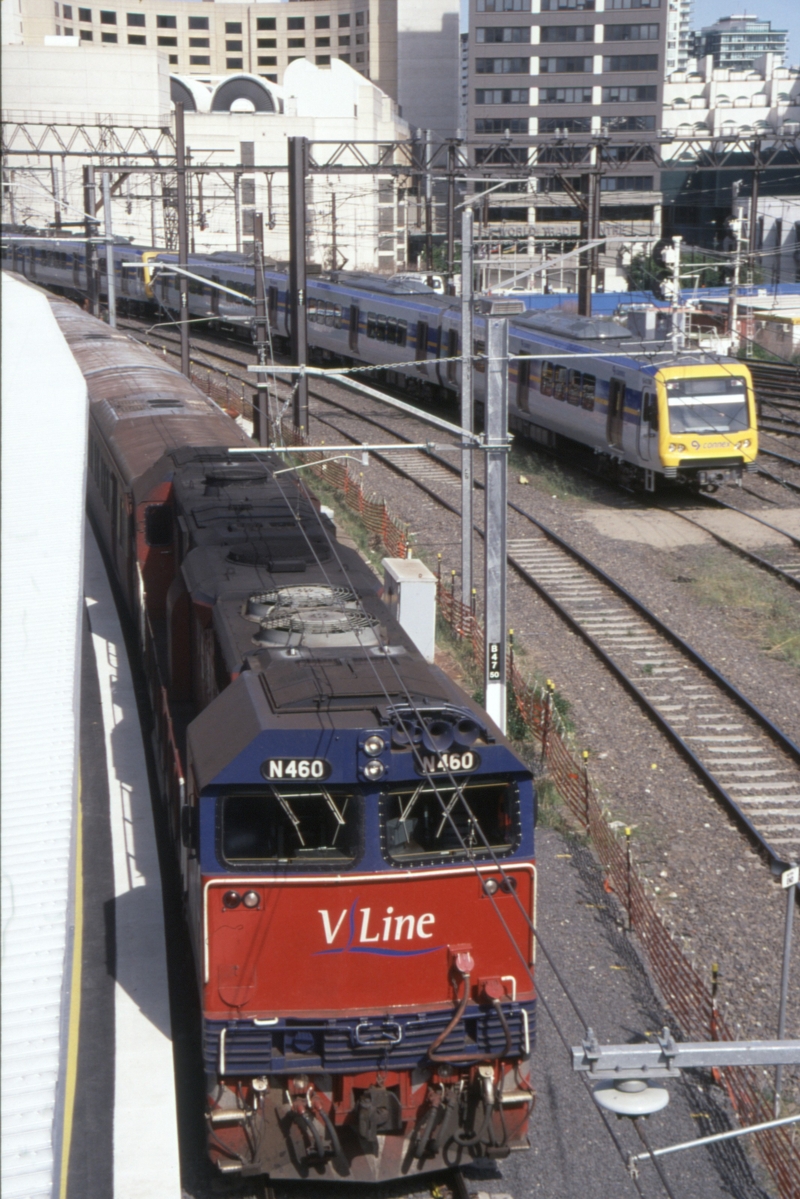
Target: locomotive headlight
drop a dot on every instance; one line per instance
(490, 886)
(374, 770)
(374, 745)
(231, 899)
(676, 447)
(251, 899)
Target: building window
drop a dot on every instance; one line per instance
(68, 32)
(629, 124)
(233, 26)
(167, 22)
(56, 8)
(86, 35)
(248, 191)
(108, 37)
(266, 23)
(136, 18)
(345, 57)
(568, 124)
(503, 66)
(322, 41)
(633, 183)
(137, 39)
(267, 60)
(631, 33)
(173, 59)
(296, 23)
(501, 125)
(198, 22)
(247, 154)
(631, 62)
(234, 64)
(295, 57)
(359, 39)
(562, 5)
(66, 12)
(504, 6)
(565, 66)
(502, 95)
(566, 33)
(629, 95)
(270, 78)
(322, 22)
(344, 20)
(167, 41)
(360, 57)
(565, 95)
(297, 43)
(360, 18)
(199, 43)
(267, 43)
(236, 47)
(323, 60)
(344, 41)
(632, 4)
(499, 33)
(199, 60)
(108, 18)
(84, 14)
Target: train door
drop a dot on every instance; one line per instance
(355, 317)
(421, 353)
(616, 412)
(272, 306)
(648, 425)
(523, 383)
(452, 352)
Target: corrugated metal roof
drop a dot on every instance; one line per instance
(43, 476)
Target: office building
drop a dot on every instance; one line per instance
(735, 43)
(407, 48)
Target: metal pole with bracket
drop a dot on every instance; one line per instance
(496, 499)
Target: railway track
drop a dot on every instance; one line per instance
(741, 755)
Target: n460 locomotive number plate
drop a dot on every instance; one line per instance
(295, 769)
(463, 762)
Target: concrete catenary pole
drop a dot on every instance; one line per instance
(111, 282)
(298, 169)
(90, 228)
(183, 238)
(467, 418)
(496, 496)
(260, 415)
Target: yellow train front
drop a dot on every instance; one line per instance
(705, 422)
(647, 413)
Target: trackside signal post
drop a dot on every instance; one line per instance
(497, 444)
(467, 415)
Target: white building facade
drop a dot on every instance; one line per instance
(60, 96)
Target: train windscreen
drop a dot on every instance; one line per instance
(312, 826)
(711, 405)
(434, 821)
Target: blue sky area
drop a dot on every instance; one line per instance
(783, 15)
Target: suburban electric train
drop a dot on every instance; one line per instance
(648, 412)
(355, 837)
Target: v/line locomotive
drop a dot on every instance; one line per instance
(649, 414)
(355, 837)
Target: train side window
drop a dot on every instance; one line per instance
(272, 305)
(588, 392)
(311, 311)
(650, 410)
(560, 383)
(479, 351)
(402, 332)
(380, 332)
(391, 330)
(371, 325)
(523, 382)
(574, 390)
(452, 351)
(158, 524)
(548, 372)
(422, 341)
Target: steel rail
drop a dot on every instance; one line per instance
(760, 719)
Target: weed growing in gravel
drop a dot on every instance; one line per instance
(548, 476)
(755, 604)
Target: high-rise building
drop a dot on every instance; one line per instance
(408, 48)
(736, 42)
(679, 26)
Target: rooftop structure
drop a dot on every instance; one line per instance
(408, 48)
(736, 42)
(239, 120)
